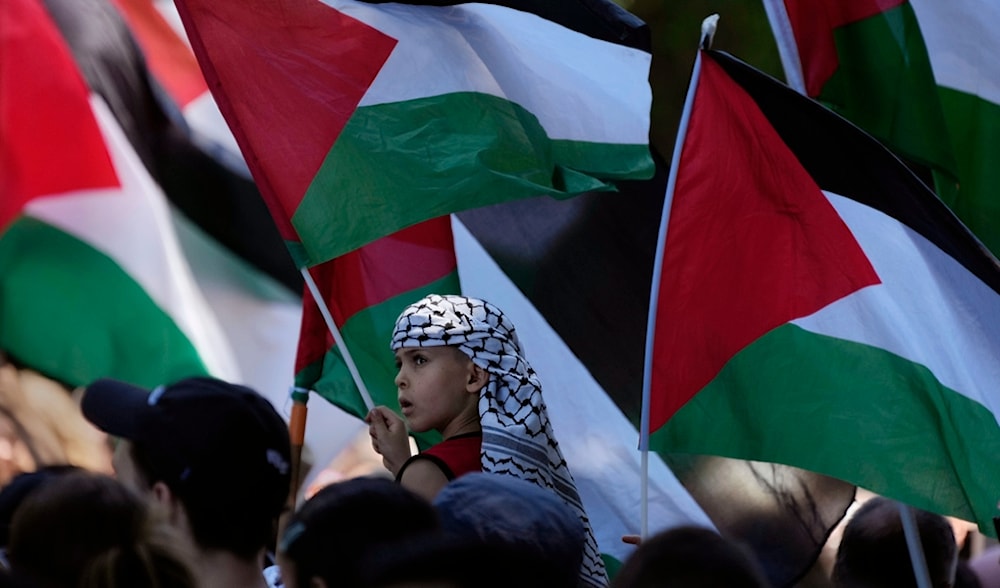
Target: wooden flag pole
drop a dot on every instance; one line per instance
(300, 396)
(297, 434)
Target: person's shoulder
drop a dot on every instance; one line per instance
(424, 475)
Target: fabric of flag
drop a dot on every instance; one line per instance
(93, 280)
(919, 75)
(141, 65)
(225, 233)
(592, 257)
(365, 290)
(595, 437)
(358, 120)
(817, 305)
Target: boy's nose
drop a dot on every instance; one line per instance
(400, 381)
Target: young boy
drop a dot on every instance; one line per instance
(463, 374)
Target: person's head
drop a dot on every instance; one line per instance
(518, 515)
(13, 494)
(873, 552)
(441, 375)
(326, 541)
(690, 557)
(87, 530)
(438, 387)
(518, 439)
(476, 328)
(218, 452)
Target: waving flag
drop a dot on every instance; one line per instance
(93, 280)
(583, 268)
(365, 290)
(358, 120)
(817, 305)
(142, 67)
(919, 75)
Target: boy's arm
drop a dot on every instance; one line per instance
(423, 477)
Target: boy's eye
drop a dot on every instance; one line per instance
(419, 359)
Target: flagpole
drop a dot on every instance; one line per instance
(912, 533)
(297, 436)
(707, 32)
(788, 50)
(328, 318)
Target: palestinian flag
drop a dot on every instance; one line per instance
(93, 280)
(817, 305)
(582, 268)
(597, 439)
(175, 71)
(364, 291)
(139, 62)
(358, 120)
(225, 233)
(919, 75)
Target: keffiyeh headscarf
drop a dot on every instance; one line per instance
(517, 435)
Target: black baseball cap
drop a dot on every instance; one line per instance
(207, 437)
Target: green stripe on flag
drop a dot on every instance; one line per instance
(72, 329)
(368, 334)
(397, 164)
(932, 441)
(974, 125)
(884, 85)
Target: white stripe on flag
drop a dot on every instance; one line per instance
(963, 43)
(580, 88)
(597, 440)
(132, 226)
(928, 309)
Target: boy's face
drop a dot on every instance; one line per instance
(434, 388)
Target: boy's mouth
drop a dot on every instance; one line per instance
(405, 406)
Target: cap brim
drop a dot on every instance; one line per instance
(116, 407)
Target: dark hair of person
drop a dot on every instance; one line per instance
(690, 557)
(223, 519)
(87, 530)
(873, 550)
(333, 532)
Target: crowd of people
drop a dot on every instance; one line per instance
(203, 472)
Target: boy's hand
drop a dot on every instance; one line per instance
(389, 437)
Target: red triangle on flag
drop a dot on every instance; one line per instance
(814, 23)
(752, 243)
(50, 143)
(307, 62)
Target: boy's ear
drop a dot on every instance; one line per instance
(478, 377)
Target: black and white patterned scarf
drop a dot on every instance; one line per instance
(517, 435)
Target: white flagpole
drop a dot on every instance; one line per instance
(328, 318)
(708, 30)
(788, 49)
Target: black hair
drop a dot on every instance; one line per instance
(690, 557)
(873, 550)
(333, 532)
(87, 530)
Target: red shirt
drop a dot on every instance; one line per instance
(455, 456)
